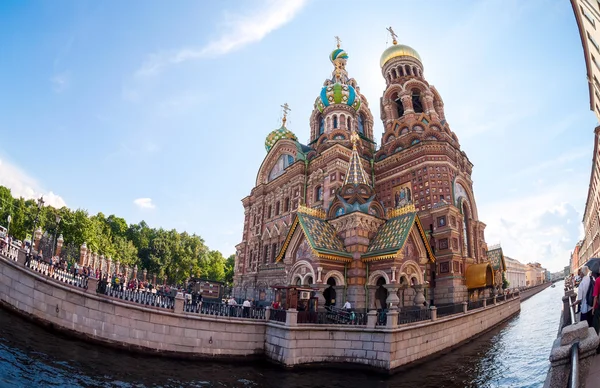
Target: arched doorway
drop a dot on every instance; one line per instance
(381, 294)
(329, 294)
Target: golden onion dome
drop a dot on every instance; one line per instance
(398, 50)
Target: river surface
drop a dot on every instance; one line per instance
(514, 354)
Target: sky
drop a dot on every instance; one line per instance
(158, 111)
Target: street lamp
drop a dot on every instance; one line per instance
(55, 234)
(9, 218)
(40, 204)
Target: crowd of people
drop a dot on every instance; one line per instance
(588, 297)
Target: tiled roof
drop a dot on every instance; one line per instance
(392, 235)
(321, 236)
(496, 259)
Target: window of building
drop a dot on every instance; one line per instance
(443, 243)
(332, 177)
(286, 205)
(349, 124)
(277, 208)
(319, 193)
(335, 122)
(361, 123)
(441, 222)
(321, 125)
(283, 162)
(399, 107)
(416, 100)
(265, 253)
(593, 42)
(588, 16)
(269, 209)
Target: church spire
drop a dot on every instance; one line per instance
(356, 174)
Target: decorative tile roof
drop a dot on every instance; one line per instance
(496, 259)
(356, 173)
(321, 235)
(393, 235)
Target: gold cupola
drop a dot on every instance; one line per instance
(398, 50)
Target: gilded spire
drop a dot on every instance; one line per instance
(356, 174)
(286, 109)
(338, 41)
(393, 34)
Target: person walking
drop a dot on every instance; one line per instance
(585, 288)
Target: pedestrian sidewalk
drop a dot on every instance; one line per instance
(593, 378)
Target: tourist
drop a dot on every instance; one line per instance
(347, 305)
(596, 307)
(585, 287)
(246, 305)
(276, 305)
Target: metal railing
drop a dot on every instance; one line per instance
(450, 309)
(58, 274)
(410, 315)
(135, 296)
(333, 316)
(277, 316)
(477, 304)
(574, 378)
(223, 310)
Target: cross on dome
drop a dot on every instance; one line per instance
(286, 108)
(393, 34)
(338, 40)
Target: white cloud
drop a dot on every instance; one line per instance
(23, 185)
(144, 203)
(241, 30)
(60, 82)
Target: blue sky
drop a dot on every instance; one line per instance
(158, 111)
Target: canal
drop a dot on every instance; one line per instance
(512, 355)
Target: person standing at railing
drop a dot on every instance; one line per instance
(246, 306)
(585, 286)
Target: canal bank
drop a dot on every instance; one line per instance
(514, 354)
(281, 337)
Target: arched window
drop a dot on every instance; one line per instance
(349, 124)
(273, 252)
(361, 123)
(339, 212)
(319, 193)
(321, 125)
(270, 208)
(277, 208)
(335, 122)
(416, 100)
(466, 229)
(394, 73)
(283, 162)
(415, 71)
(286, 205)
(399, 107)
(401, 71)
(407, 69)
(265, 253)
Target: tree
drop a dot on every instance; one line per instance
(229, 270)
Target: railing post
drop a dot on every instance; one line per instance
(267, 313)
(484, 302)
(178, 306)
(291, 317)
(433, 313)
(465, 307)
(92, 285)
(371, 319)
(392, 318)
(495, 300)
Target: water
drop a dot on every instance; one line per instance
(512, 355)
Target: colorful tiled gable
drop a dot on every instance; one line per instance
(392, 236)
(496, 259)
(322, 236)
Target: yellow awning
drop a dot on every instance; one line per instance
(479, 276)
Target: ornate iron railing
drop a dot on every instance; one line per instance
(449, 309)
(58, 274)
(413, 315)
(134, 296)
(277, 316)
(333, 316)
(223, 310)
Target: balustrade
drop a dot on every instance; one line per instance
(223, 310)
(277, 316)
(135, 296)
(58, 274)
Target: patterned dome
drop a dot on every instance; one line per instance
(281, 133)
(337, 93)
(338, 54)
(398, 50)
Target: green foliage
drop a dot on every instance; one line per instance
(505, 283)
(179, 256)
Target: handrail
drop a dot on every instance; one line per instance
(572, 311)
(574, 381)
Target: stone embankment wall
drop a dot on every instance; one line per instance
(134, 326)
(125, 324)
(382, 348)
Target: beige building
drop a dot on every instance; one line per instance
(587, 14)
(534, 274)
(591, 243)
(515, 273)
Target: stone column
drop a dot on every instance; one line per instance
(371, 319)
(419, 297)
(117, 267)
(109, 265)
(37, 236)
(465, 307)
(433, 313)
(92, 285)
(495, 301)
(372, 290)
(59, 244)
(484, 302)
(267, 313)
(145, 273)
(560, 356)
(320, 288)
(291, 317)
(393, 280)
(135, 271)
(319, 272)
(178, 307)
(102, 264)
(392, 298)
(83, 254)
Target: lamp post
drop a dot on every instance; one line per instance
(40, 204)
(9, 218)
(55, 234)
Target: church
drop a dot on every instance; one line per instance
(389, 222)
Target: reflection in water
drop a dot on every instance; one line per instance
(512, 355)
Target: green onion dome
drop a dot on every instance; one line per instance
(280, 133)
